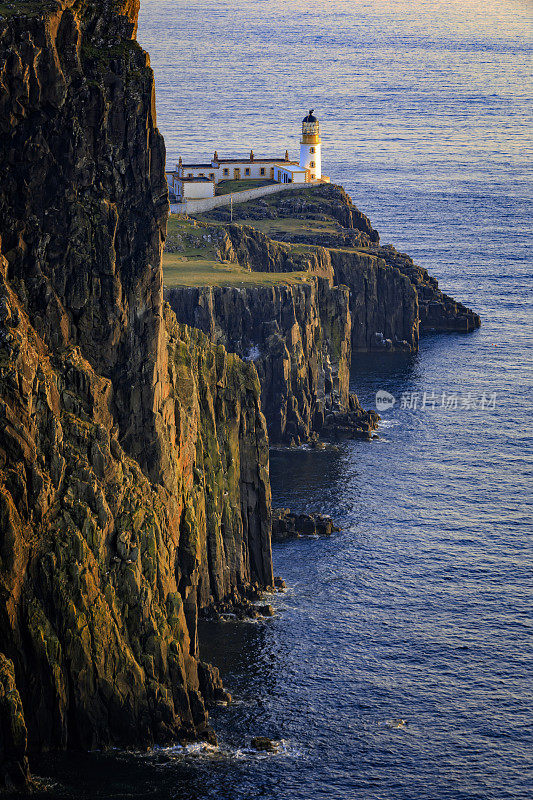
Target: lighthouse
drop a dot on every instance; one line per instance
(311, 146)
(194, 183)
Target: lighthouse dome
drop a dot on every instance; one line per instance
(310, 117)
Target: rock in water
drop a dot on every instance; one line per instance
(264, 744)
(211, 686)
(288, 525)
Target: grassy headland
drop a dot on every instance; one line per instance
(179, 271)
(227, 187)
(192, 258)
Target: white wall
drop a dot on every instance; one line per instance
(198, 206)
(198, 191)
(199, 172)
(254, 167)
(286, 175)
(298, 177)
(306, 156)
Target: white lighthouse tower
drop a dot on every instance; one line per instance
(311, 146)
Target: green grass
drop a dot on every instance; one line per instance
(304, 192)
(191, 259)
(185, 226)
(291, 226)
(226, 187)
(181, 271)
(185, 236)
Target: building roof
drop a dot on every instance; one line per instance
(235, 161)
(310, 117)
(196, 166)
(247, 160)
(196, 180)
(290, 167)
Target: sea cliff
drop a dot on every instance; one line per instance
(134, 472)
(392, 299)
(351, 295)
(299, 338)
(134, 485)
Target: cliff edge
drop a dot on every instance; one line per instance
(298, 336)
(134, 486)
(392, 299)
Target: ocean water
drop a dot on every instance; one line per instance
(399, 662)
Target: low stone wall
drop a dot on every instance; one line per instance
(197, 206)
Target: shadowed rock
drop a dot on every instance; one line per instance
(298, 337)
(288, 525)
(134, 482)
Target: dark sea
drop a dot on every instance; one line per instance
(399, 663)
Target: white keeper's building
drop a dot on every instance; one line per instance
(198, 181)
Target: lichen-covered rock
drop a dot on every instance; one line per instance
(102, 571)
(134, 482)
(217, 411)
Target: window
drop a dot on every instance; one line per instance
(312, 150)
(189, 174)
(212, 176)
(225, 171)
(202, 175)
(247, 171)
(312, 164)
(262, 170)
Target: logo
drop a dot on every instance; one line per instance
(384, 400)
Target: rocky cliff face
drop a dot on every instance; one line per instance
(259, 253)
(383, 302)
(298, 337)
(133, 452)
(13, 734)
(392, 298)
(83, 198)
(383, 293)
(437, 311)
